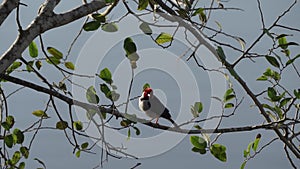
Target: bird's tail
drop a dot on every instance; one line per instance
(173, 122)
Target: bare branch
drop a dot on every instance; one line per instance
(6, 8)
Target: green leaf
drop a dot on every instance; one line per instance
(40, 113)
(84, 145)
(219, 151)
(13, 67)
(163, 38)
(272, 93)
(19, 136)
(292, 60)
(33, 50)
(38, 64)
(194, 112)
(272, 60)
(110, 27)
(289, 62)
(268, 107)
(272, 74)
(77, 154)
(5, 125)
(202, 17)
(10, 121)
(197, 150)
(124, 123)
(91, 26)
(243, 165)
(9, 140)
(78, 125)
(100, 18)
(69, 65)
(53, 60)
(229, 105)
(219, 25)
(287, 52)
(145, 28)
(62, 85)
(102, 115)
(105, 75)
(198, 107)
(221, 53)
(91, 95)
(276, 76)
(282, 42)
(269, 72)
(61, 125)
(246, 153)
(91, 113)
(129, 46)
(285, 46)
(143, 4)
(297, 93)
(29, 66)
(198, 127)
(16, 158)
(278, 111)
(262, 78)
(228, 95)
(198, 11)
(128, 134)
(255, 144)
(198, 142)
(24, 151)
(22, 165)
(284, 101)
(105, 89)
(281, 35)
(55, 53)
(272, 116)
(248, 149)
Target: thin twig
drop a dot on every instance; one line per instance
(261, 14)
(75, 40)
(289, 157)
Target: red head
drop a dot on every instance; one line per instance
(147, 92)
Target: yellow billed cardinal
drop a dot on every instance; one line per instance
(153, 108)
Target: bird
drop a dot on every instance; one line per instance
(153, 107)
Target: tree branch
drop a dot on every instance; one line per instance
(116, 113)
(6, 8)
(45, 21)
